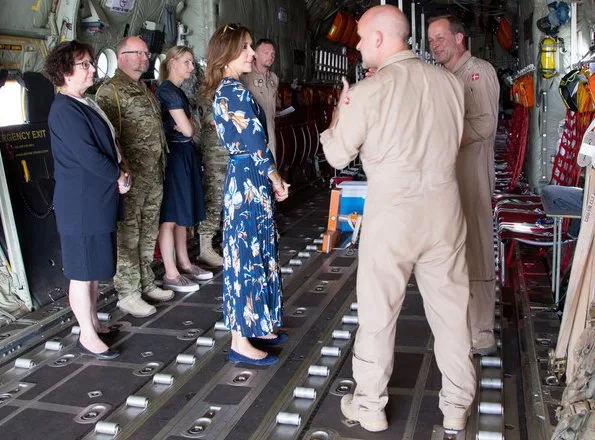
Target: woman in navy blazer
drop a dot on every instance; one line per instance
(88, 183)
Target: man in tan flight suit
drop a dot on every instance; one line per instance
(405, 122)
(475, 170)
(263, 84)
(136, 116)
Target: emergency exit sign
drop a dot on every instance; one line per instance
(10, 46)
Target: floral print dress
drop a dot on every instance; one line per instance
(252, 281)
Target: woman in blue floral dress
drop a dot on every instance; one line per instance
(252, 277)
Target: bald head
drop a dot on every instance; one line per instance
(133, 56)
(125, 42)
(383, 31)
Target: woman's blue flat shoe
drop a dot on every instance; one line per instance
(234, 356)
(280, 339)
(107, 354)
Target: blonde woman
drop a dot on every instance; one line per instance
(183, 204)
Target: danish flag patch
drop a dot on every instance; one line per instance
(475, 77)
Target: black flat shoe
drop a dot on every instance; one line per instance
(107, 354)
(280, 339)
(113, 332)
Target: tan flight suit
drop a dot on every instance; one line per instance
(264, 89)
(475, 173)
(406, 124)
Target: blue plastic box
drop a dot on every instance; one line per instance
(353, 199)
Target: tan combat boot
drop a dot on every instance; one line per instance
(158, 294)
(208, 256)
(135, 306)
(373, 421)
(454, 423)
(484, 344)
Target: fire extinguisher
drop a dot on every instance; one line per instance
(547, 58)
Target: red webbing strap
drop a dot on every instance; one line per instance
(512, 138)
(516, 144)
(519, 160)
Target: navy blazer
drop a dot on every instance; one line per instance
(86, 169)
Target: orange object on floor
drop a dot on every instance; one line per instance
(332, 229)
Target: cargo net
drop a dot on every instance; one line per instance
(516, 144)
(565, 171)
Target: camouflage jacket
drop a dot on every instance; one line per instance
(136, 116)
(211, 146)
(577, 414)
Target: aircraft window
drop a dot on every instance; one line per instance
(158, 60)
(107, 61)
(11, 97)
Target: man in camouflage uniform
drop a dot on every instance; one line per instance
(214, 158)
(136, 116)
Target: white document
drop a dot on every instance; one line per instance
(586, 155)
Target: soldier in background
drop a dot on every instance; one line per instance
(214, 166)
(136, 116)
(214, 158)
(263, 84)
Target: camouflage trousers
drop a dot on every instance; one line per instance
(137, 236)
(577, 414)
(215, 168)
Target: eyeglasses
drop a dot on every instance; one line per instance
(139, 53)
(85, 64)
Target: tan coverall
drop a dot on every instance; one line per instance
(475, 173)
(264, 89)
(406, 124)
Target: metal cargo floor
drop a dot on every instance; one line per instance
(172, 380)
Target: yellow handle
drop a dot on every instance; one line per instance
(26, 171)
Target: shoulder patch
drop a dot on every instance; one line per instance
(475, 77)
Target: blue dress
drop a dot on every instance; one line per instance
(183, 202)
(252, 281)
